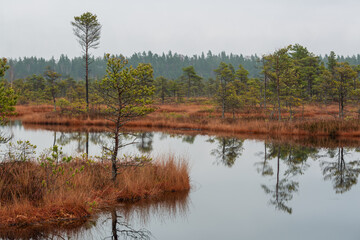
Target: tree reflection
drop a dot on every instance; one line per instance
(78, 137)
(228, 150)
(121, 228)
(82, 140)
(167, 206)
(264, 167)
(294, 160)
(342, 174)
(116, 223)
(283, 188)
(184, 138)
(145, 140)
(189, 138)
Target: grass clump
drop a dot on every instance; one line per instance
(33, 192)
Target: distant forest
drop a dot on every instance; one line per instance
(168, 65)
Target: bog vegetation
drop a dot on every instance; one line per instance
(55, 188)
(271, 94)
(288, 79)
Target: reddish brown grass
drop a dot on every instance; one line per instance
(22, 110)
(313, 120)
(25, 200)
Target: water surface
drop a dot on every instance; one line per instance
(241, 189)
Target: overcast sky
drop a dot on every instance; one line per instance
(42, 27)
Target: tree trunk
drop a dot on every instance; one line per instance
(342, 108)
(114, 155)
(54, 139)
(278, 99)
(188, 93)
(87, 145)
(278, 88)
(278, 175)
(87, 76)
(263, 171)
(114, 224)
(223, 108)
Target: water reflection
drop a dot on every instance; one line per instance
(145, 141)
(121, 228)
(264, 167)
(80, 139)
(343, 174)
(263, 182)
(169, 207)
(63, 230)
(190, 139)
(294, 161)
(228, 150)
(128, 221)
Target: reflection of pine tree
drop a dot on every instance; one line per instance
(343, 175)
(189, 138)
(283, 189)
(145, 140)
(264, 167)
(294, 158)
(82, 140)
(228, 150)
(121, 228)
(283, 193)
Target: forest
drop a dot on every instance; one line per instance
(168, 65)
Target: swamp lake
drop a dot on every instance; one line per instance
(240, 189)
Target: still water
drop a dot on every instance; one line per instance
(241, 189)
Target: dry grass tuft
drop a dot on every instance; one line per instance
(29, 193)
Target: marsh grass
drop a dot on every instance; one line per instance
(27, 198)
(310, 120)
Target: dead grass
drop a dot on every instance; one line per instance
(29, 194)
(312, 120)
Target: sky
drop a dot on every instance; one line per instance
(42, 28)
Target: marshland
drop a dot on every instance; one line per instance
(118, 122)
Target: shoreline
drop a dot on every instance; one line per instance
(198, 118)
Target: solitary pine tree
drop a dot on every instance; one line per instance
(87, 29)
(127, 93)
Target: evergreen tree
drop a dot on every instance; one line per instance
(87, 29)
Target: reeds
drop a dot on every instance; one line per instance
(29, 193)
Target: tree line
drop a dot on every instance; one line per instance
(288, 79)
(168, 65)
